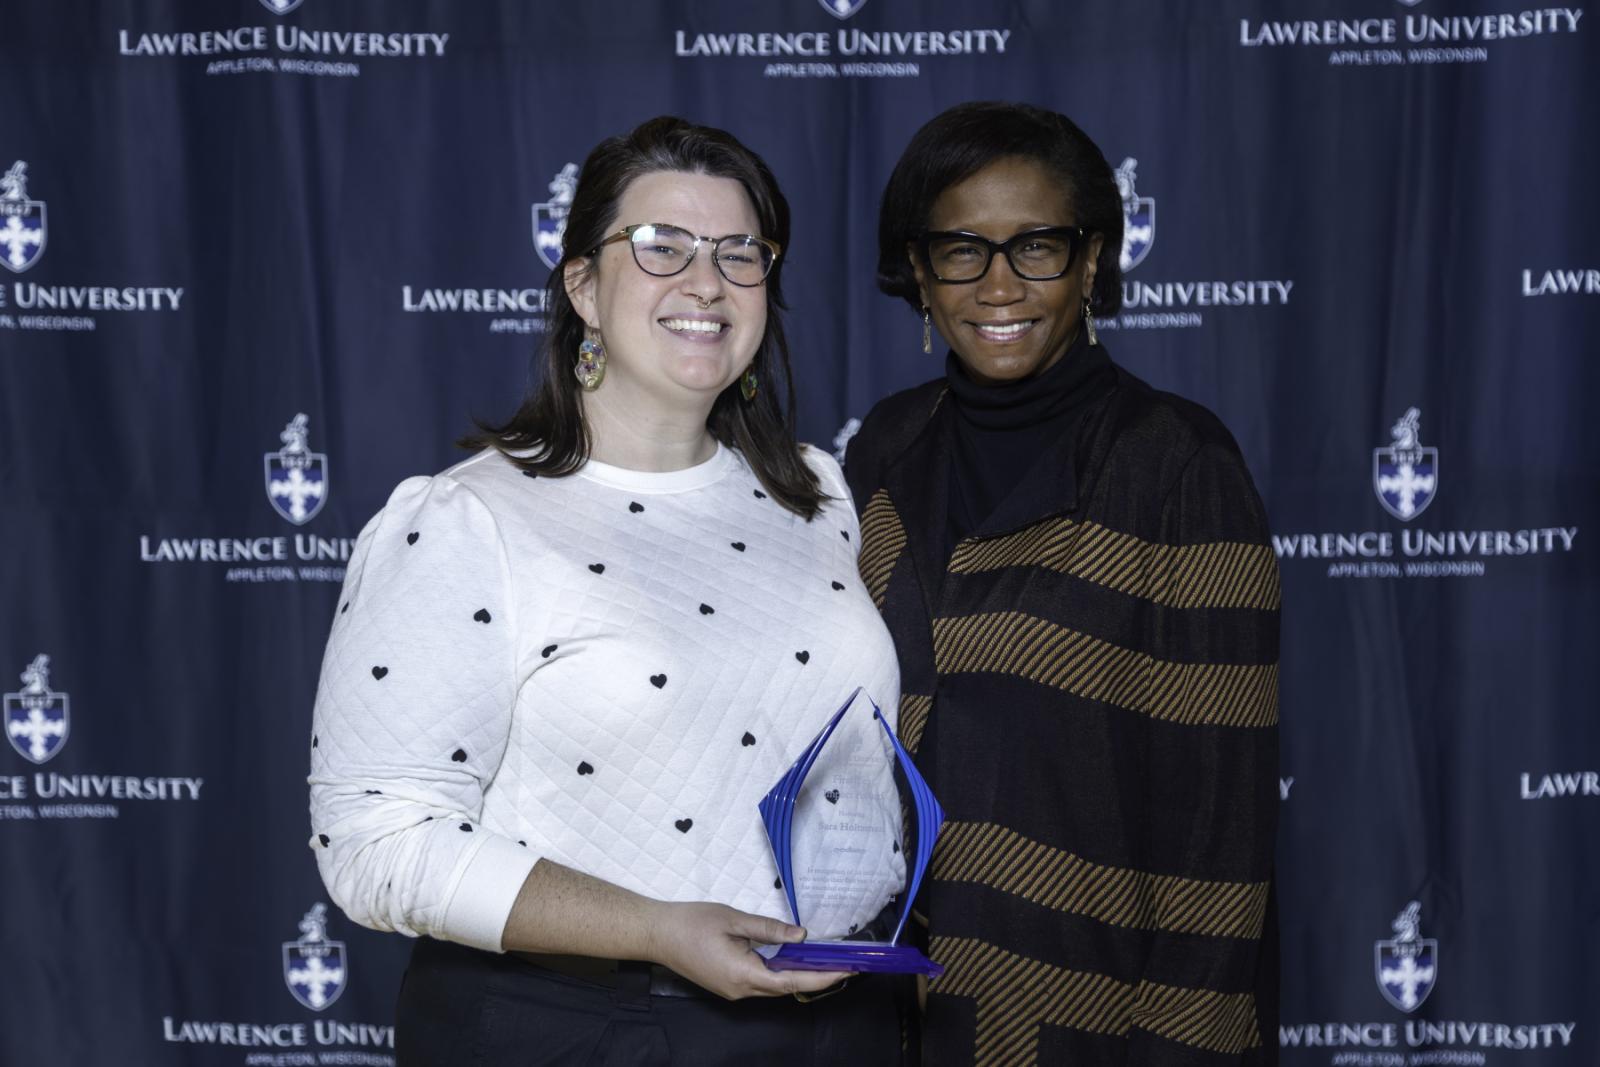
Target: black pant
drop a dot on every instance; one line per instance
(459, 1006)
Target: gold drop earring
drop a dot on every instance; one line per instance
(591, 366)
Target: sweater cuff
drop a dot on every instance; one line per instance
(477, 912)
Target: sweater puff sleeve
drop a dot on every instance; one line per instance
(412, 717)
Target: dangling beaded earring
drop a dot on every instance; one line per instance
(1088, 322)
(927, 329)
(591, 367)
(748, 384)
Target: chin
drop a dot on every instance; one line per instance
(702, 375)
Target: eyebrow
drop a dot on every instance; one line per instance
(1024, 228)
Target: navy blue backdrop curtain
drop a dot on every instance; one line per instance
(264, 258)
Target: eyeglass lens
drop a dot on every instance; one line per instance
(1037, 257)
(665, 250)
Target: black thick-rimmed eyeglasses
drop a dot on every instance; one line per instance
(1041, 255)
(663, 250)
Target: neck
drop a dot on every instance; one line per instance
(1070, 381)
(641, 434)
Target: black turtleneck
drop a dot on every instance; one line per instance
(999, 431)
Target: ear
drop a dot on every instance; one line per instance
(1092, 264)
(578, 278)
(921, 274)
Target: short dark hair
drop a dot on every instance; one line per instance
(957, 144)
(550, 420)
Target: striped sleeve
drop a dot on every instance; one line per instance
(1205, 995)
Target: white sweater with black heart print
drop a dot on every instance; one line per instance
(608, 670)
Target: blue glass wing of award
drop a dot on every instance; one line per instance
(843, 836)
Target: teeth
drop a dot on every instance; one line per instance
(692, 325)
(1005, 332)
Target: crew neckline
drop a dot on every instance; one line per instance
(680, 481)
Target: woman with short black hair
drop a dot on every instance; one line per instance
(1077, 574)
(565, 671)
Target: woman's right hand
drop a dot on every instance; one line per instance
(712, 946)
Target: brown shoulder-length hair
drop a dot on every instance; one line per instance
(550, 420)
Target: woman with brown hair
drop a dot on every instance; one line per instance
(565, 670)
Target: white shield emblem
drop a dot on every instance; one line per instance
(297, 478)
(22, 233)
(550, 217)
(1406, 970)
(842, 9)
(549, 227)
(281, 7)
(315, 971)
(1406, 474)
(1138, 216)
(36, 718)
(37, 724)
(1405, 482)
(1138, 230)
(297, 484)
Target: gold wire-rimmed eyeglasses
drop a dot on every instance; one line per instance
(664, 250)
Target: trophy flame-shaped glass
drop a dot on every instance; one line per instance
(834, 822)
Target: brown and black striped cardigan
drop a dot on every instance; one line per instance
(1090, 686)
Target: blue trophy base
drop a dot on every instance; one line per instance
(865, 957)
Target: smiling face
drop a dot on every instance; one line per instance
(1001, 327)
(676, 342)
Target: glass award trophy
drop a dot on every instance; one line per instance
(835, 822)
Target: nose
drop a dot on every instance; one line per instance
(1000, 285)
(701, 279)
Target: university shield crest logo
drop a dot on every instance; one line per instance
(1408, 965)
(1405, 475)
(842, 9)
(550, 217)
(281, 7)
(1138, 217)
(297, 478)
(22, 221)
(37, 720)
(314, 968)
